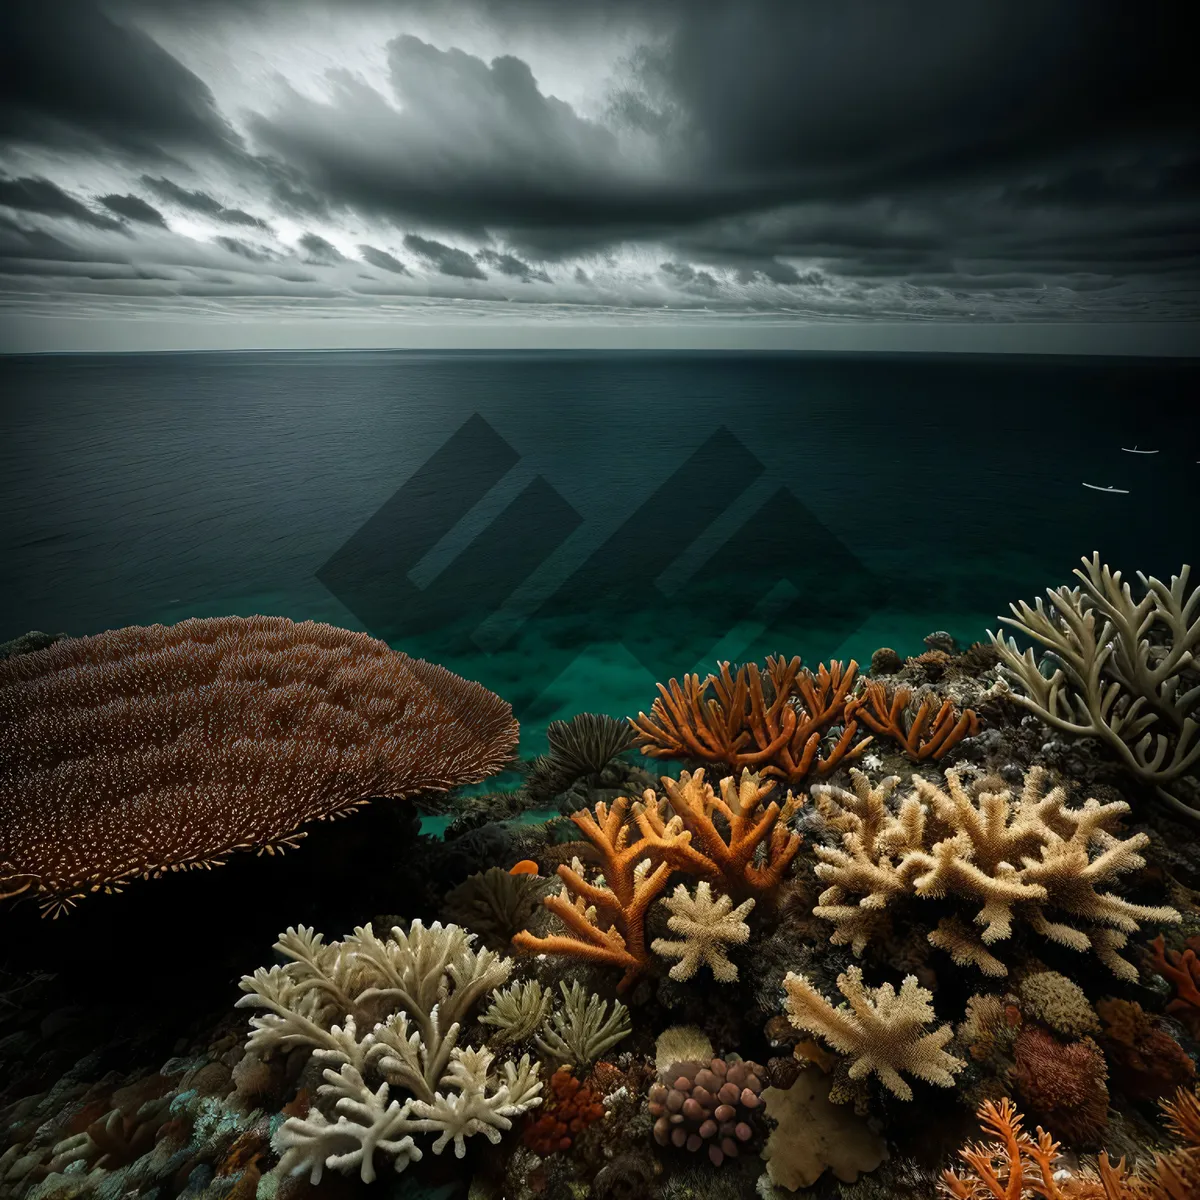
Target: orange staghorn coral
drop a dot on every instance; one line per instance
(607, 923)
(688, 837)
(733, 720)
(927, 735)
(1182, 969)
(152, 749)
(1015, 1166)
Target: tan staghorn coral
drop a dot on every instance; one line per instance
(1116, 670)
(145, 750)
(705, 925)
(771, 721)
(883, 1032)
(1009, 857)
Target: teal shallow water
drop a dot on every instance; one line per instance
(571, 528)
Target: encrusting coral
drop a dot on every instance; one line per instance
(923, 734)
(1059, 1002)
(770, 721)
(151, 749)
(1118, 668)
(568, 1110)
(882, 1032)
(705, 925)
(429, 977)
(1013, 857)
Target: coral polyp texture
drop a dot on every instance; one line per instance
(1032, 857)
(151, 749)
(1118, 669)
(706, 925)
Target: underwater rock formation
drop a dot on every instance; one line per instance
(151, 749)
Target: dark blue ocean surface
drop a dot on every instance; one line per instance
(569, 528)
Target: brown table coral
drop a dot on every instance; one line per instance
(145, 750)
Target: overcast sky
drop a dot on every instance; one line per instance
(933, 173)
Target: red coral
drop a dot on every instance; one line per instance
(1146, 1062)
(570, 1109)
(1182, 968)
(1063, 1083)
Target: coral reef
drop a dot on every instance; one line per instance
(1144, 1060)
(1062, 1082)
(1181, 968)
(568, 1110)
(1118, 668)
(144, 750)
(1012, 856)
(583, 1029)
(883, 1031)
(1059, 1002)
(517, 1011)
(771, 721)
(496, 904)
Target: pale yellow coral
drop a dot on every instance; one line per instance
(1008, 856)
(882, 1031)
(706, 926)
(1059, 1002)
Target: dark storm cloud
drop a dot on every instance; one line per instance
(383, 260)
(319, 251)
(688, 276)
(202, 202)
(38, 195)
(70, 74)
(509, 264)
(449, 260)
(135, 208)
(245, 250)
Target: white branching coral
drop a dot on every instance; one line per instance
(410, 994)
(583, 1029)
(882, 1031)
(1027, 856)
(1113, 668)
(706, 925)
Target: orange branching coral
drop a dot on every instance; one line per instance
(1062, 1082)
(151, 749)
(1015, 1166)
(689, 838)
(606, 923)
(926, 735)
(1182, 969)
(570, 1109)
(739, 720)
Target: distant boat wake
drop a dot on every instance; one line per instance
(1119, 491)
(1135, 450)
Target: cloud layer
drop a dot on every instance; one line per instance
(890, 160)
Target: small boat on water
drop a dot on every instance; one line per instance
(1097, 488)
(1135, 450)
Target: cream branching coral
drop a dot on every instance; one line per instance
(162, 748)
(882, 1031)
(411, 994)
(517, 1011)
(1113, 668)
(1032, 856)
(706, 925)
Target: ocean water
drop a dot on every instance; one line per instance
(570, 528)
